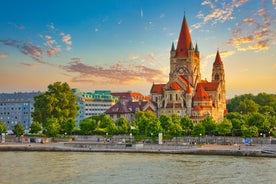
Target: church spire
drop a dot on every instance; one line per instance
(184, 40)
(172, 49)
(218, 61)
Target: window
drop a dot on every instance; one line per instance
(170, 96)
(217, 77)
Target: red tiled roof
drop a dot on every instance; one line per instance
(174, 86)
(208, 86)
(200, 108)
(189, 89)
(197, 108)
(157, 88)
(201, 94)
(218, 61)
(184, 40)
(129, 95)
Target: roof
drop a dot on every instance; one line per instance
(201, 94)
(19, 95)
(208, 86)
(189, 89)
(184, 40)
(126, 107)
(129, 95)
(218, 61)
(174, 86)
(157, 88)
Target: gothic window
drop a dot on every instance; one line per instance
(156, 99)
(176, 97)
(217, 77)
(170, 96)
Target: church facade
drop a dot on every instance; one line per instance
(186, 93)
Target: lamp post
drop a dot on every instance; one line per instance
(200, 138)
(261, 140)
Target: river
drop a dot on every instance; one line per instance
(121, 168)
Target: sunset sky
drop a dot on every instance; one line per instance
(124, 45)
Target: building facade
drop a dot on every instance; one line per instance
(93, 103)
(17, 107)
(129, 103)
(186, 93)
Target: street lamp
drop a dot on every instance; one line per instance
(200, 138)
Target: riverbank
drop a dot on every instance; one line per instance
(208, 149)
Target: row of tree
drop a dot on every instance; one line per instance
(56, 110)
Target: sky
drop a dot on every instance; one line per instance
(123, 45)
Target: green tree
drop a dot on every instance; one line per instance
(224, 127)
(248, 106)
(35, 127)
(176, 119)
(52, 127)
(123, 126)
(198, 130)
(174, 130)
(166, 122)
(249, 132)
(260, 121)
(18, 129)
(140, 123)
(209, 124)
(87, 126)
(153, 128)
(3, 127)
(150, 115)
(187, 125)
(69, 126)
(58, 102)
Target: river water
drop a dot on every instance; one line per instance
(84, 167)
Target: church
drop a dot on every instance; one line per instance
(186, 94)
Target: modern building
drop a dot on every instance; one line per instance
(186, 93)
(93, 103)
(17, 107)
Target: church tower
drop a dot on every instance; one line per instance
(218, 76)
(185, 58)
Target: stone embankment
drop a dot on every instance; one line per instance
(236, 150)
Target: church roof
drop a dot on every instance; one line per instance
(174, 86)
(208, 86)
(189, 89)
(218, 61)
(184, 40)
(157, 88)
(201, 94)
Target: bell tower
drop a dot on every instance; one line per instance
(184, 59)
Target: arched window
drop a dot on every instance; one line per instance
(170, 96)
(217, 77)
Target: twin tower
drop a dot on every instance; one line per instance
(186, 93)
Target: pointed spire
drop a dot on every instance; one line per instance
(196, 49)
(184, 40)
(172, 49)
(189, 89)
(191, 46)
(218, 59)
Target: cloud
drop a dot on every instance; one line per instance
(28, 64)
(26, 48)
(274, 4)
(17, 26)
(3, 55)
(66, 38)
(219, 12)
(142, 13)
(255, 32)
(118, 73)
(51, 26)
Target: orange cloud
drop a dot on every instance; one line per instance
(118, 73)
(3, 55)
